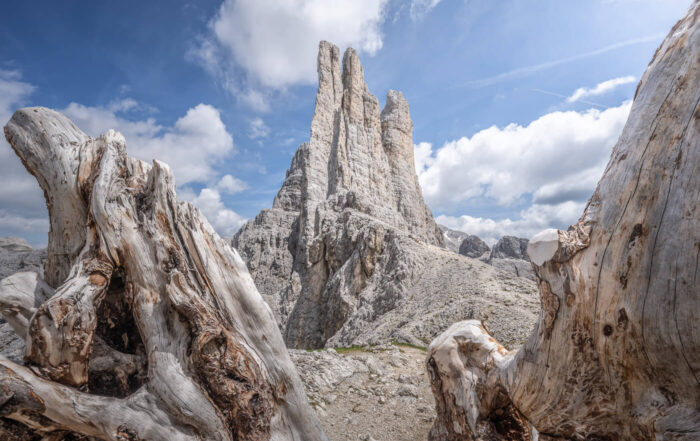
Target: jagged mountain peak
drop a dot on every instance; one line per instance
(338, 256)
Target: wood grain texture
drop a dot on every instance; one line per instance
(616, 353)
(155, 330)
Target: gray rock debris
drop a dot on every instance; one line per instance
(17, 255)
(472, 246)
(14, 244)
(364, 394)
(453, 238)
(349, 253)
(510, 254)
(510, 247)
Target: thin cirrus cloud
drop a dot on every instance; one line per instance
(258, 129)
(420, 8)
(600, 88)
(552, 164)
(529, 70)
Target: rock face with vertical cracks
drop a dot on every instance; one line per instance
(148, 325)
(349, 253)
(616, 352)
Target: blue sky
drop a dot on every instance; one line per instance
(224, 92)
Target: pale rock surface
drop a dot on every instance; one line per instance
(349, 253)
(510, 247)
(379, 393)
(543, 246)
(14, 244)
(453, 238)
(17, 255)
(472, 246)
(616, 351)
(510, 254)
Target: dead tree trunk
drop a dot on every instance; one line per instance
(616, 353)
(150, 327)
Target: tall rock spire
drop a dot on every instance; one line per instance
(335, 245)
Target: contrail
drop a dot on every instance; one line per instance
(522, 71)
(564, 96)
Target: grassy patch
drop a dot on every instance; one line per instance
(353, 348)
(372, 348)
(409, 345)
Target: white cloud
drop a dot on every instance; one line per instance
(230, 185)
(420, 8)
(255, 99)
(504, 164)
(192, 146)
(275, 42)
(422, 156)
(555, 161)
(258, 129)
(600, 88)
(225, 221)
(532, 220)
(22, 207)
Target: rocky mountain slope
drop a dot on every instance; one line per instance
(510, 254)
(453, 238)
(472, 246)
(17, 255)
(349, 253)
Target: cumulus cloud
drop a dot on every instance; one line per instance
(503, 164)
(22, 207)
(422, 156)
(532, 220)
(225, 221)
(192, 146)
(553, 163)
(275, 42)
(258, 129)
(229, 184)
(600, 88)
(419, 8)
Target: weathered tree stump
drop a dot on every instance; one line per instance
(616, 352)
(150, 326)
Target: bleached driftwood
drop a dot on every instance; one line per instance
(616, 353)
(150, 327)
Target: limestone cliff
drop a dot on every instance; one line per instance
(349, 235)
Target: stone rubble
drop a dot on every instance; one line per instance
(377, 393)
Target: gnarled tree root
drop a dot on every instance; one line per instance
(149, 326)
(616, 352)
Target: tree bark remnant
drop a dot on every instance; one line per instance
(616, 353)
(149, 326)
